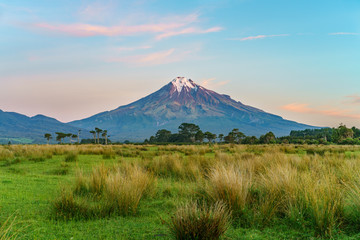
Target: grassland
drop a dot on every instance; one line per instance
(142, 192)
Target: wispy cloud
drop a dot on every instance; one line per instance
(97, 10)
(210, 83)
(123, 49)
(190, 30)
(344, 33)
(352, 99)
(155, 58)
(260, 37)
(333, 112)
(160, 27)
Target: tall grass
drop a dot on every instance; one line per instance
(105, 192)
(194, 221)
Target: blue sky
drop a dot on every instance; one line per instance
(72, 59)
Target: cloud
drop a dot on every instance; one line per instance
(344, 33)
(162, 27)
(260, 37)
(121, 49)
(190, 30)
(89, 30)
(353, 99)
(209, 83)
(155, 58)
(304, 108)
(98, 10)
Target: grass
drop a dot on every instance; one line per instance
(124, 192)
(194, 221)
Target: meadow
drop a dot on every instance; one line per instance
(179, 192)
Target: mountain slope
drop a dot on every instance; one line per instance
(19, 128)
(182, 100)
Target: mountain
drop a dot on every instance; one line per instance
(19, 128)
(182, 100)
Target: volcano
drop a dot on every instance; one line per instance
(182, 100)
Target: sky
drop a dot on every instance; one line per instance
(71, 59)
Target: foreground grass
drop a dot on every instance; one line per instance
(273, 192)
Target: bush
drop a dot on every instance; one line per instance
(200, 222)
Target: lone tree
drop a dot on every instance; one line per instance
(98, 131)
(48, 137)
(94, 135)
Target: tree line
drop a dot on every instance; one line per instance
(60, 137)
(191, 133)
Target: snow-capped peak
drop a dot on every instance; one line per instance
(181, 82)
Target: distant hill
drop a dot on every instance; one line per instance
(19, 128)
(182, 100)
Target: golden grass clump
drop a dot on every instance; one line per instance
(106, 191)
(230, 185)
(194, 221)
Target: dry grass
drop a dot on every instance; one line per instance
(194, 221)
(105, 192)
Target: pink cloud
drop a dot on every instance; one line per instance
(88, 30)
(304, 108)
(209, 83)
(162, 27)
(155, 58)
(190, 30)
(260, 37)
(353, 99)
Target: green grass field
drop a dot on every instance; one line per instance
(273, 192)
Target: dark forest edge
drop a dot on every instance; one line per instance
(191, 133)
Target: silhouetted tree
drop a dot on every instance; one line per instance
(94, 135)
(48, 137)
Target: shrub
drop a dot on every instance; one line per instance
(200, 222)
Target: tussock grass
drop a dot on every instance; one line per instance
(105, 192)
(200, 222)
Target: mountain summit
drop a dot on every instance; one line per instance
(182, 100)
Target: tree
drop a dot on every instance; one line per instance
(267, 138)
(188, 131)
(235, 136)
(78, 136)
(60, 136)
(210, 136)
(341, 133)
(221, 137)
(98, 131)
(75, 137)
(48, 137)
(199, 136)
(94, 135)
(162, 136)
(104, 135)
(69, 135)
